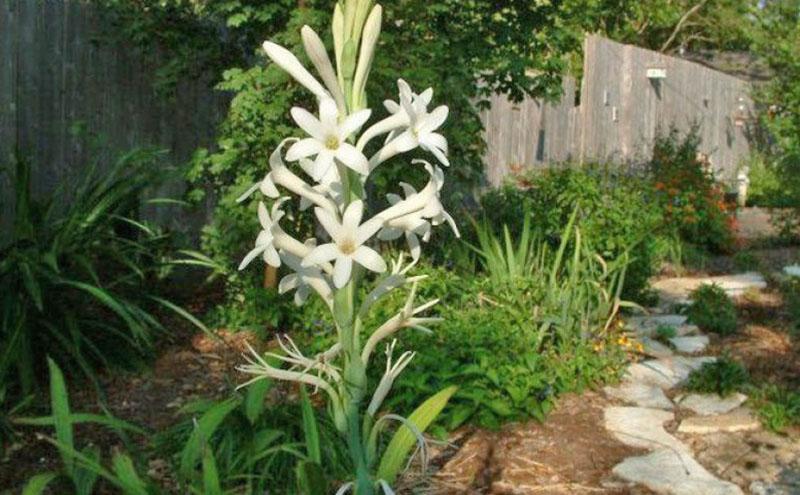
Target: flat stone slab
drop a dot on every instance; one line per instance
(690, 345)
(678, 289)
(738, 420)
(647, 325)
(642, 427)
(792, 270)
(641, 395)
(674, 473)
(656, 349)
(666, 372)
(711, 404)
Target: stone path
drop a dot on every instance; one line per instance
(668, 429)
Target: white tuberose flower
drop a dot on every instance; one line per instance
(420, 126)
(328, 139)
(347, 246)
(265, 240)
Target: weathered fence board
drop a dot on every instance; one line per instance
(621, 112)
(59, 73)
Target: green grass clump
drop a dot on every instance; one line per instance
(665, 332)
(723, 377)
(778, 407)
(712, 310)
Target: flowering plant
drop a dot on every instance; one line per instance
(331, 156)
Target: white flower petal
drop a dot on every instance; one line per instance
(434, 120)
(368, 229)
(328, 117)
(287, 283)
(311, 125)
(352, 216)
(267, 187)
(253, 254)
(439, 155)
(391, 106)
(322, 164)
(406, 141)
(342, 271)
(369, 259)
(413, 245)
(263, 216)
(434, 140)
(288, 62)
(304, 148)
(329, 223)
(350, 156)
(271, 256)
(353, 123)
(321, 254)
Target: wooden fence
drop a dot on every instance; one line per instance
(58, 73)
(621, 111)
(57, 70)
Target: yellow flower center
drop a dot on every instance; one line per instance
(332, 142)
(348, 246)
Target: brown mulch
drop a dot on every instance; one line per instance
(570, 453)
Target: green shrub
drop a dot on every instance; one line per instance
(616, 215)
(778, 407)
(746, 261)
(712, 310)
(723, 377)
(766, 188)
(515, 339)
(665, 332)
(692, 199)
(791, 295)
(80, 273)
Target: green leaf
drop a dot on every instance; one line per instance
(127, 475)
(193, 451)
(310, 478)
(310, 430)
(185, 314)
(38, 483)
(211, 484)
(403, 441)
(59, 405)
(254, 399)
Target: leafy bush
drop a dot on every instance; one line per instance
(692, 199)
(746, 261)
(712, 310)
(80, 271)
(767, 189)
(723, 377)
(665, 332)
(778, 407)
(615, 215)
(514, 342)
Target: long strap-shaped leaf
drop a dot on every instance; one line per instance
(404, 440)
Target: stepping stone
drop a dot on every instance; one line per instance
(677, 290)
(674, 473)
(641, 395)
(792, 270)
(666, 372)
(739, 420)
(642, 427)
(711, 404)
(647, 325)
(690, 345)
(656, 349)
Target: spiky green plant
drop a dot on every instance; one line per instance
(79, 271)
